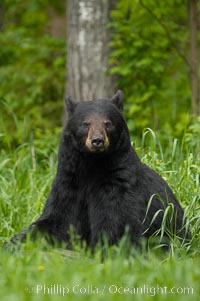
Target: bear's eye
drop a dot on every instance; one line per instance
(86, 124)
(108, 124)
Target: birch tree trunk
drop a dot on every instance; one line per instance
(88, 49)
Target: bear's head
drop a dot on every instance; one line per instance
(97, 126)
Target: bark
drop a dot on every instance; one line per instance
(88, 49)
(193, 25)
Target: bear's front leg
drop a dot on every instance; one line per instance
(112, 219)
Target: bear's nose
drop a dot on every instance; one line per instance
(97, 141)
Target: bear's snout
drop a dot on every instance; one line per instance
(97, 141)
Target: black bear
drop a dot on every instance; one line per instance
(101, 186)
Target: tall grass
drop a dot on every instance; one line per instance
(26, 174)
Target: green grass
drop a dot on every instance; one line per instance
(35, 273)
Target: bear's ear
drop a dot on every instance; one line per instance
(118, 99)
(70, 104)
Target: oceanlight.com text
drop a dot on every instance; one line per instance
(112, 289)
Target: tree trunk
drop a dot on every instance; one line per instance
(88, 49)
(193, 25)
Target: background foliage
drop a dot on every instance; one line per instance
(32, 71)
(151, 49)
(150, 46)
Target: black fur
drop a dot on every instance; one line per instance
(103, 192)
